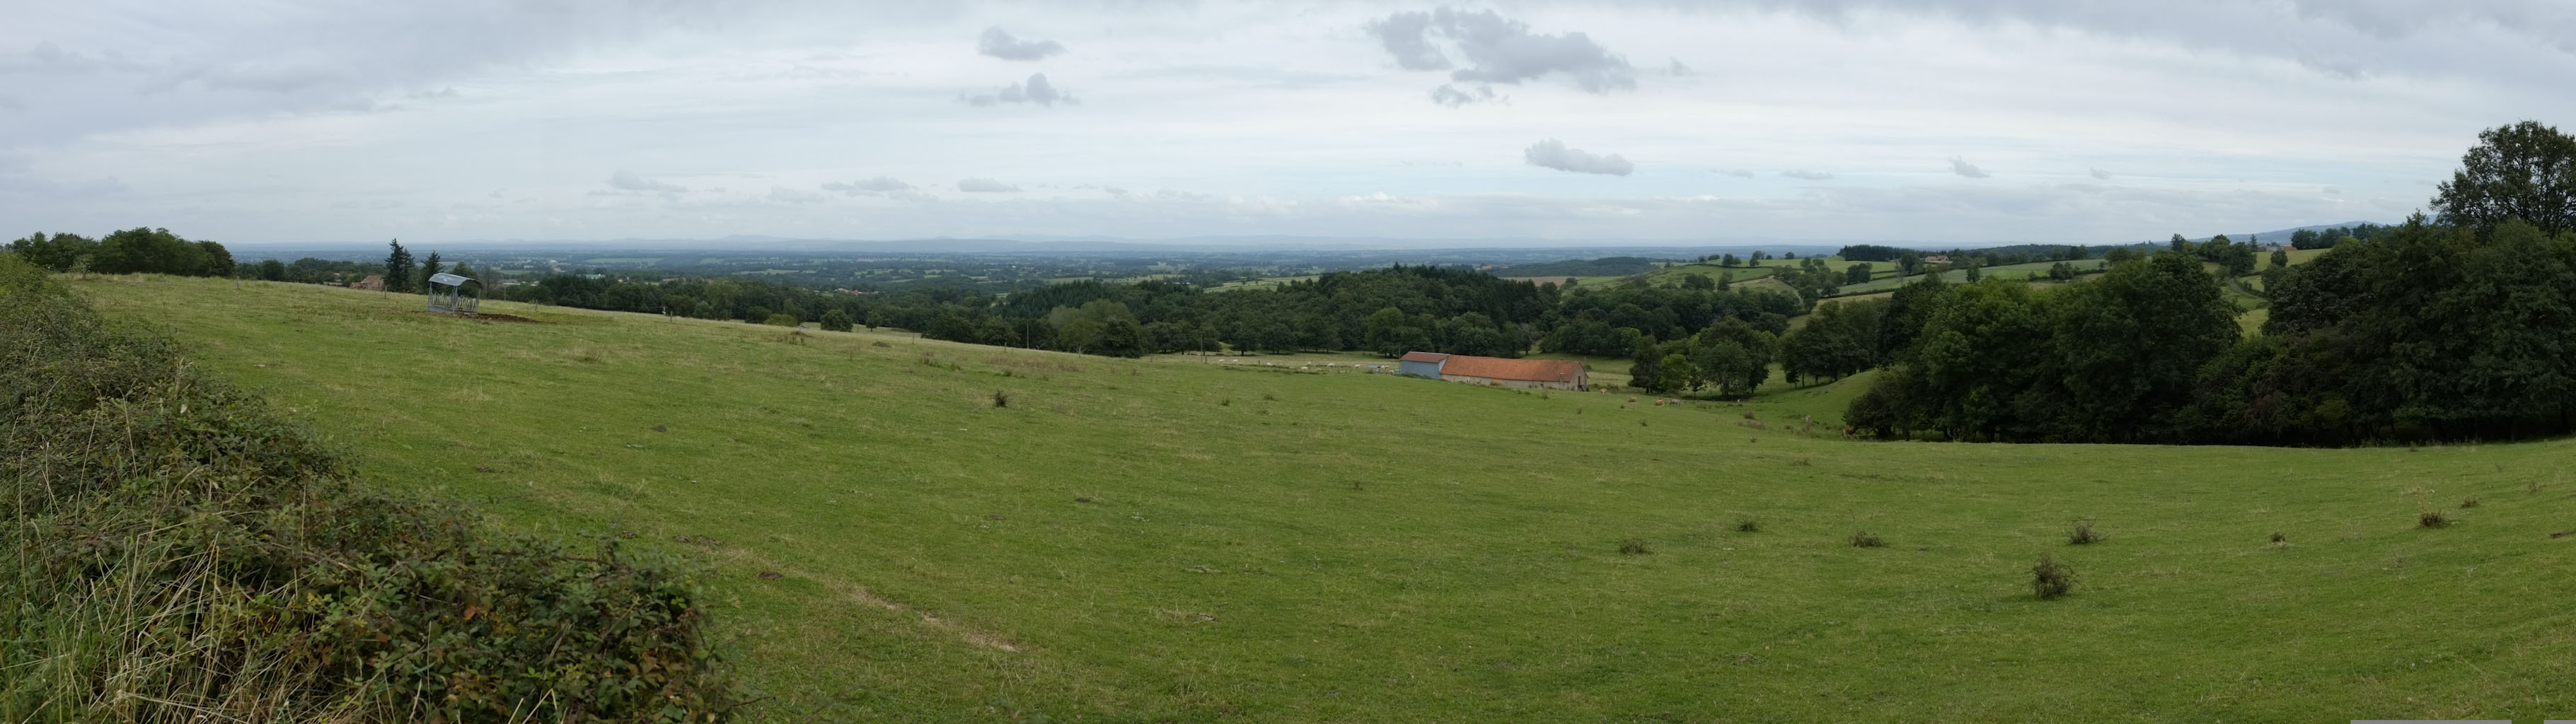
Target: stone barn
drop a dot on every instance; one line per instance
(1554, 374)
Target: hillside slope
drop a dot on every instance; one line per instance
(1174, 540)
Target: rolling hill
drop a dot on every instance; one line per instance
(902, 529)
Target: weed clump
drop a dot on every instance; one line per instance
(1866, 539)
(1633, 547)
(2051, 579)
(2083, 534)
(2277, 537)
(2431, 519)
(1748, 525)
(2471, 502)
(1001, 398)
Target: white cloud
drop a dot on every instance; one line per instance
(1451, 96)
(2100, 174)
(1962, 167)
(1001, 45)
(1552, 153)
(1498, 50)
(1034, 90)
(631, 181)
(981, 185)
(1806, 175)
(784, 195)
(868, 186)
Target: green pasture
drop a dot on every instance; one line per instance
(1262, 283)
(898, 529)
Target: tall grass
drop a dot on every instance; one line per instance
(171, 550)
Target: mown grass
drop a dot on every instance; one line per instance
(1166, 539)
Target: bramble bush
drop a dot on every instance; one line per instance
(174, 551)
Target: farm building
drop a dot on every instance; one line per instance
(1556, 374)
(373, 281)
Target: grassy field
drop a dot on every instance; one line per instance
(1262, 283)
(1175, 539)
(1885, 279)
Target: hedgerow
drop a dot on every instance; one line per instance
(171, 549)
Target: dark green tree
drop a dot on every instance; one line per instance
(399, 269)
(427, 269)
(2130, 344)
(57, 252)
(1646, 366)
(836, 321)
(2525, 171)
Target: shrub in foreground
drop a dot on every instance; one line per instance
(175, 551)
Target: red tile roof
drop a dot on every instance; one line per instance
(1424, 357)
(1497, 368)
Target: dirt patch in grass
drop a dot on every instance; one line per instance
(972, 636)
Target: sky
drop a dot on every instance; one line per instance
(1940, 121)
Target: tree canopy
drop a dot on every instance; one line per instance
(2521, 171)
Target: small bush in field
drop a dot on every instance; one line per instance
(1633, 547)
(2083, 534)
(1866, 539)
(2051, 579)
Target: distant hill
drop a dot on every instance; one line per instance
(1609, 266)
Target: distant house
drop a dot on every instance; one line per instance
(1554, 374)
(1937, 259)
(373, 281)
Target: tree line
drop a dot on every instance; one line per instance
(2460, 325)
(136, 250)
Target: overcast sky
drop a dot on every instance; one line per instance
(1953, 121)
